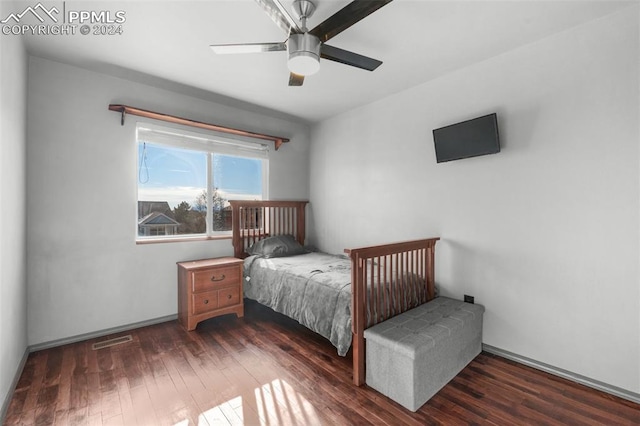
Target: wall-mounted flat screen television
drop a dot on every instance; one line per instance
(470, 138)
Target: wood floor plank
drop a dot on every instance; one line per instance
(94, 396)
(36, 365)
(110, 405)
(133, 364)
(79, 391)
(61, 417)
(164, 394)
(116, 420)
(28, 417)
(265, 369)
(45, 414)
(77, 416)
(64, 392)
(124, 395)
(186, 372)
(107, 381)
(144, 410)
(28, 373)
(47, 395)
(54, 366)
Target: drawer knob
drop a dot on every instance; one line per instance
(229, 296)
(206, 301)
(214, 279)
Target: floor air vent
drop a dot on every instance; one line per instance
(112, 342)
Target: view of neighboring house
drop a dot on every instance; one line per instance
(157, 223)
(155, 218)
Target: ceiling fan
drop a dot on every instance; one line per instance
(306, 47)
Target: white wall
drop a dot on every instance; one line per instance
(544, 234)
(13, 294)
(86, 272)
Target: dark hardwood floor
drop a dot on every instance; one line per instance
(266, 369)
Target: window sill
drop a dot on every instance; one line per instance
(182, 239)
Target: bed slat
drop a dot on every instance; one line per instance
(382, 289)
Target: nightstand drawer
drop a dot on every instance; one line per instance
(215, 277)
(228, 296)
(205, 302)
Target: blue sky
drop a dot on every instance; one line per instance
(175, 175)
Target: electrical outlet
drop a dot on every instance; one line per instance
(468, 299)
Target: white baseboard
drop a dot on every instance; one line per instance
(100, 333)
(595, 384)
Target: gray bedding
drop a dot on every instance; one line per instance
(313, 289)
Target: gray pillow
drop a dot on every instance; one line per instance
(277, 246)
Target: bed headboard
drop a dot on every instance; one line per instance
(253, 221)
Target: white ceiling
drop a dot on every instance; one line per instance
(418, 40)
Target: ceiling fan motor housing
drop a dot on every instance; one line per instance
(304, 53)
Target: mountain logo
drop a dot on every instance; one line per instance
(38, 11)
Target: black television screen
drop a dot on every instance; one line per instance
(469, 138)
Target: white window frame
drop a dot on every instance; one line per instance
(209, 142)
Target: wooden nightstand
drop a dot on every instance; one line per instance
(208, 288)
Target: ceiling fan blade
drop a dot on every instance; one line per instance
(296, 79)
(346, 17)
(280, 16)
(223, 49)
(349, 58)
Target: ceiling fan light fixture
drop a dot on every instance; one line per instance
(304, 54)
(303, 63)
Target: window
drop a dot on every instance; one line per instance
(186, 179)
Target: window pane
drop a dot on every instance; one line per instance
(237, 178)
(234, 178)
(172, 188)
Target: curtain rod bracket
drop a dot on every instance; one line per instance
(124, 112)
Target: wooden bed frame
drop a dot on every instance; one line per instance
(398, 276)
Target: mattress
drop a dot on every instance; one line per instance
(313, 289)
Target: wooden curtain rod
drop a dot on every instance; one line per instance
(124, 109)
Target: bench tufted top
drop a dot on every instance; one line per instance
(419, 330)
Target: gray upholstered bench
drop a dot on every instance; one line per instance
(412, 356)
